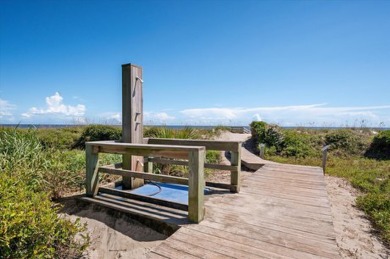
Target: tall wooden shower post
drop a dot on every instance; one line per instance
(132, 120)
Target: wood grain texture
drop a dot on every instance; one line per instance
(196, 186)
(92, 161)
(132, 120)
(209, 144)
(165, 161)
(235, 176)
(282, 211)
(153, 177)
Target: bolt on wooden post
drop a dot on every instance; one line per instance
(132, 120)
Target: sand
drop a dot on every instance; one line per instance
(354, 234)
(113, 235)
(117, 236)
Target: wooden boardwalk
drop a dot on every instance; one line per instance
(282, 211)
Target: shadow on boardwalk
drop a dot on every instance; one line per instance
(282, 211)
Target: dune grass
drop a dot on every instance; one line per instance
(39, 166)
(356, 155)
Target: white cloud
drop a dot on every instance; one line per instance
(149, 117)
(157, 117)
(210, 113)
(314, 114)
(55, 106)
(6, 108)
(111, 117)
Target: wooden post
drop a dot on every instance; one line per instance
(324, 157)
(148, 165)
(235, 178)
(132, 120)
(262, 147)
(92, 176)
(196, 185)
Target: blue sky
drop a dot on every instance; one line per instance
(295, 63)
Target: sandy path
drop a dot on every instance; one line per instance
(353, 231)
(113, 235)
(120, 237)
(354, 234)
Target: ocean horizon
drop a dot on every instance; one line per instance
(26, 126)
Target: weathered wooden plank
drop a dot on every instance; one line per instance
(291, 197)
(153, 255)
(196, 185)
(180, 152)
(153, 177)
(276, 215)
(309, 186)
(314, 170)
(221, 167)
(307, 246)
(282, 210)
(298, 173)
(92, 177)
(132, 120)
(165, 161)
(287, 220)
(209, 144)
(235, 176)
(212, 247)
(144, 198)
(252, 245)
(148, 167)
(219, 185)
(293, 170)
(269, 183)
(223, 245)
(197, 249)
(290, 179)
(185, 163)
(165, 249)
(161, 212)
(144, 213)
(281, 225)
(268, 203)
(302, 192)
(285, 199)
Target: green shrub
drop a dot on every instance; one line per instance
(96, 133)
(29, 225)
(59, 138)
(213, 156)
(164, 132)
(371, 177)
(380, 146)
(49, 170)
(296, 144)
(269, 134)
(187, 133)
(279, 141)
(274, 137)
(377, 206)
(258, 129)
(346, 142)
(158, 132)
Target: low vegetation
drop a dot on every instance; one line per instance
(359, 155)
(29, 225)
(39, 166)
